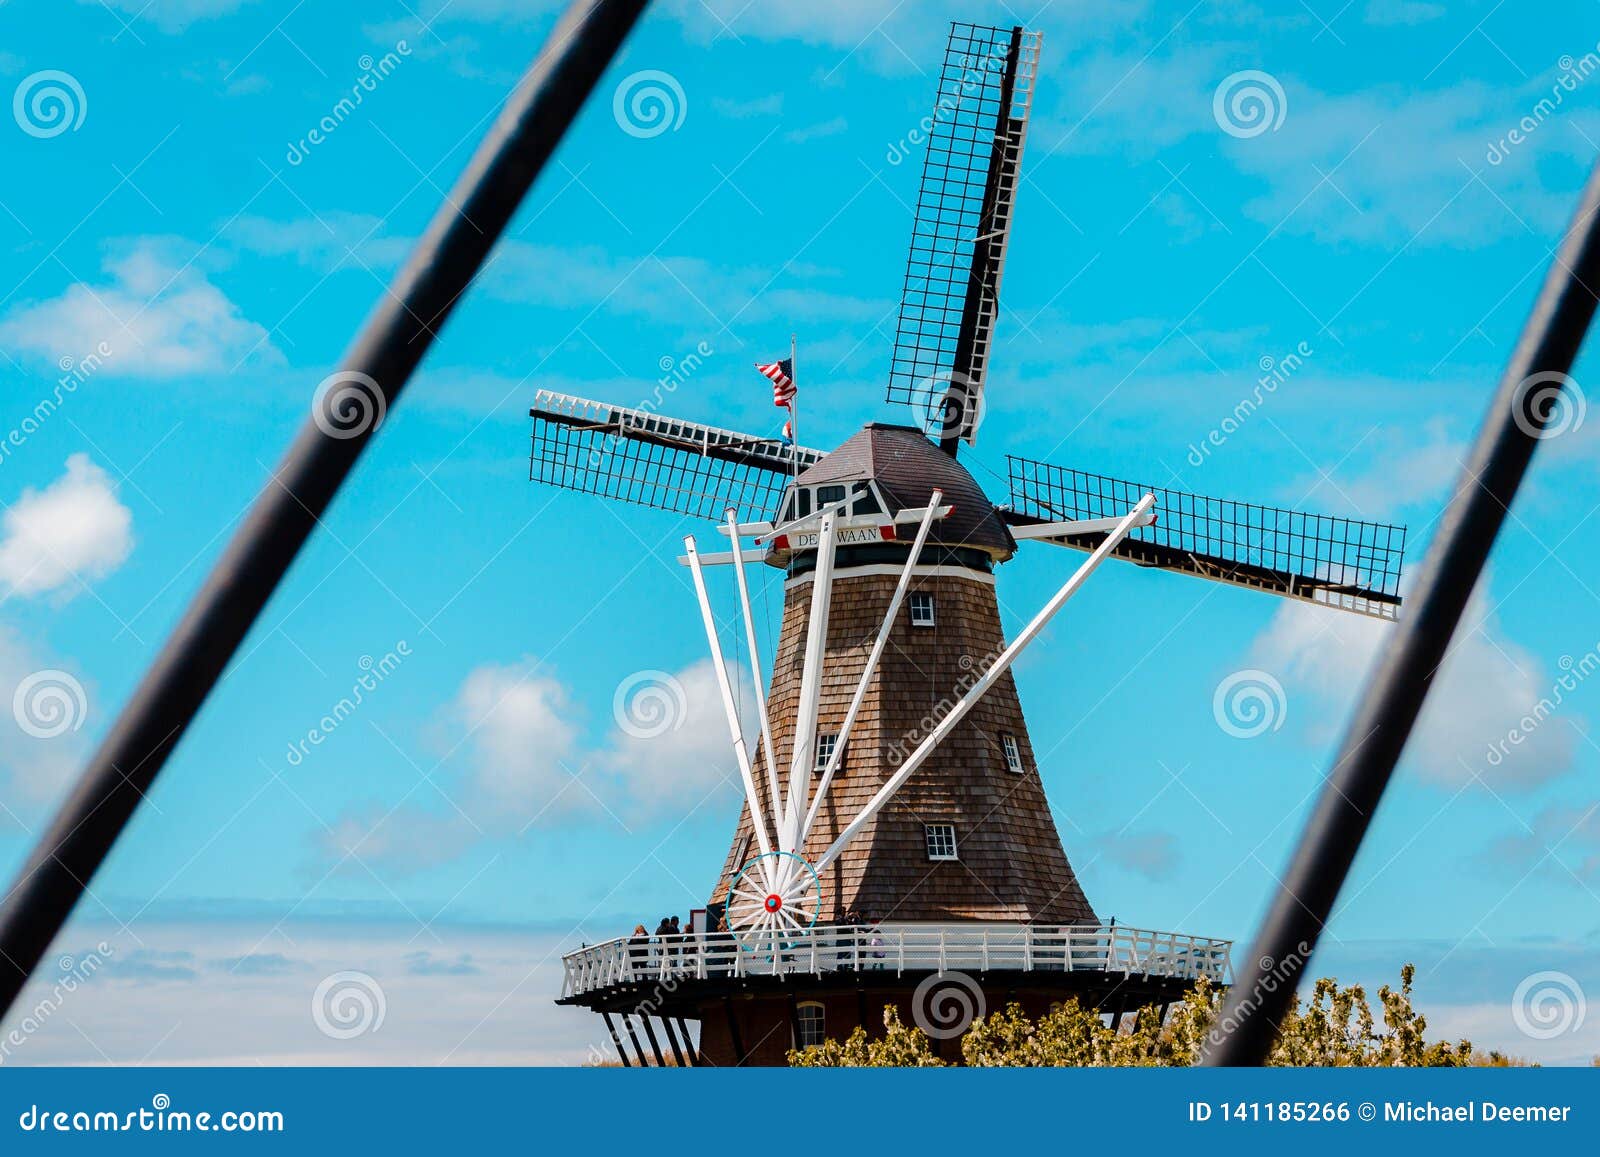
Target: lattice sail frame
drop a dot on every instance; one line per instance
(1345, 563)
(963, 222)
(644, 457)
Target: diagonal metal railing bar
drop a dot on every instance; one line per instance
(1529, 396)
(346, 412)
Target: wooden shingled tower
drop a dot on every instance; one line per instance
(895, 847)
(1009, 865)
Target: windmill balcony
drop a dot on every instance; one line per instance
(596, 974)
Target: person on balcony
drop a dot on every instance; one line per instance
(638, 950)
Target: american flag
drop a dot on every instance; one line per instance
(782, 375)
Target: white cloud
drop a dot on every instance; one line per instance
(171, 15)
(686, 762)
(522, 737)
(33, 769)
(1386, 13)
(243, 993)
(72, 531)
(515, 761)
(1481, 695)
(159, 318)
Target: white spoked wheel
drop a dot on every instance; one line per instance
(774, 901)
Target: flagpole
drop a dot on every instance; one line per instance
(794, 420)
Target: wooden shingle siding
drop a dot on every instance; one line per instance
(1012, 865)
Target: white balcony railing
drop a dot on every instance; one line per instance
(898, 948)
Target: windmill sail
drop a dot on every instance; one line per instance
(1337, 562)
(648, 458)
(958, 241)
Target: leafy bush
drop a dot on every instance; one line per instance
(1336, 1027)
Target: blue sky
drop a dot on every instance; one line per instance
(1388, 225)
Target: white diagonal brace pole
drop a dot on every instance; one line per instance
(872, 665)
(752, 797)
(805, 732)
(990, 677)
(755, 663)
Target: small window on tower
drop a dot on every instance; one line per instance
(809, 1030)
(1013, 753)
(866, 502)
(740, 851)
(941, 841)
(921, 609)
(802, 503)
(828, 495)
(826, 743)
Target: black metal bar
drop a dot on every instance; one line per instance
(616, 1040)
(696, 1057)
(627, 1023)
(345, 413)
(672, 1040)
(1529, 394)
(655, 1044)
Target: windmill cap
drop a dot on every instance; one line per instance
(907, 468)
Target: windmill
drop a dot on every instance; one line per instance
(895, 842)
